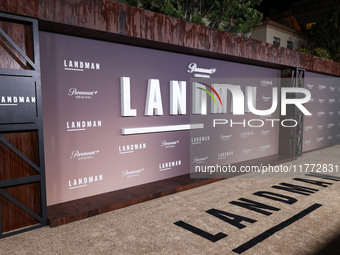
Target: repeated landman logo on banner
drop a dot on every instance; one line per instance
(131, 111)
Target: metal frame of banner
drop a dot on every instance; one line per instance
(36, 125)
(292, 147)
(296, 136)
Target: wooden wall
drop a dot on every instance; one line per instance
(119, 19)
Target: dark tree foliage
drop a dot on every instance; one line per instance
(326, 33)
(236, 16)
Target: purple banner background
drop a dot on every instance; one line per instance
(322, 129)
(96, 160)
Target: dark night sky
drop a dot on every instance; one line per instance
(305, 11)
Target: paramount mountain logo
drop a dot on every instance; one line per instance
(171, 144)
(76, 154)
(78, 94)
(200, 72)
(132, 173)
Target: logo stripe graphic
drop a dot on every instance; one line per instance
(209, 94)
(213, 90)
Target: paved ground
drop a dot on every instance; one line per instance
(265, 214)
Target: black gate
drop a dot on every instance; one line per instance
(22, 167)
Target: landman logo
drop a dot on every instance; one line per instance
(82, 125)
(264, 147)
(223, 155)
(169, 165)
(82, 182)
(308, 128)
(265, 83)
(319, 139)
(80, 66)
(84, 155)
(246, 134)
(15, 100)
(199, 139)
(239, 106)
(322, 87)
(131, 148)
(81, 94)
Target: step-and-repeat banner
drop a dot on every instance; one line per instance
(117, 116)
(322, 129)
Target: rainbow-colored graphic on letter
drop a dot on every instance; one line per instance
(209, 93)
